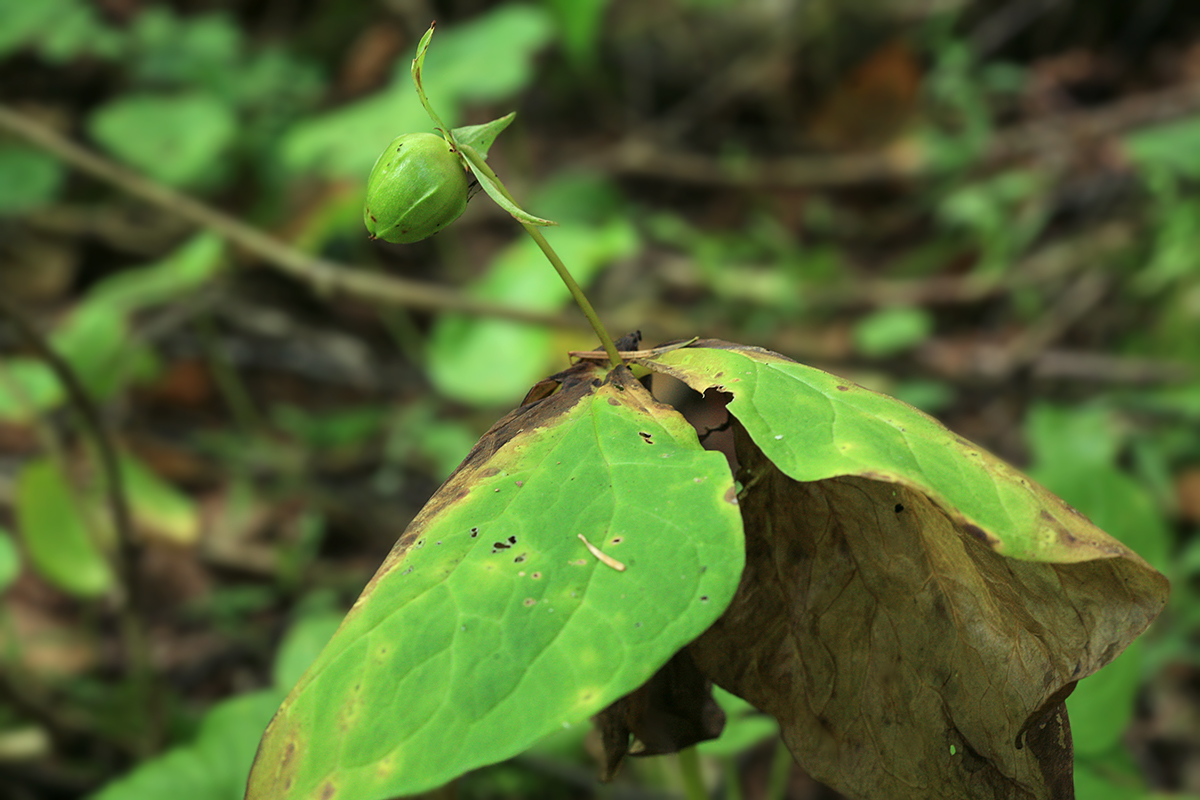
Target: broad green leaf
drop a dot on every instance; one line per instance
(10, 560)
(482, 136)
(57, 539)
(158, 508)
(491, 623)
(177, 139)
(488, 361)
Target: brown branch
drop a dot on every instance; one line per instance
(326, 277)
(1043, 139)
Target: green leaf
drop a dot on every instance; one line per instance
(27, 388)
(10, 560)
(214, 766)
(158, 508)
(29, 178)
(491, 623)
(182, 273)
(487, 179)
(482, 136)
(891, 331)
(581, 22)
(1102, 705)
(57, 538)
(418, 64)
(1169, 147)
(179, 140)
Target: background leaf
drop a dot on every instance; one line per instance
(57, 537)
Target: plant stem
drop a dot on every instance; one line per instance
(478, 164)
(576, 292)
(689, 766)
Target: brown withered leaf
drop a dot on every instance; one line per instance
(903, 658)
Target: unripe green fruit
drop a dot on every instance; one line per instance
(417, 187)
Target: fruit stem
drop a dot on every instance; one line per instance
(535, 232)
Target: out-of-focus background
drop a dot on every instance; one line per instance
(988, 209)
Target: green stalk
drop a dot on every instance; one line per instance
(689, 766)
(480, 166)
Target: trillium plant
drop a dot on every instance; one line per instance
(912, 610)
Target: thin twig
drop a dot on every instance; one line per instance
(327, 277)
(133, 633)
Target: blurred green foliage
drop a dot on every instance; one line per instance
(197, 101)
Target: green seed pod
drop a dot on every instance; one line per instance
(417, 187)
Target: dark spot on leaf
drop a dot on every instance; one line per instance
(597, 383)
(842, 389)
(731, 495)
(899, 507)
(529, 601)
(645, 436)
(474, 532)
(488, 472)
(612, 401)
(519, 559)
(420, 543)
(512, 540)
(439, 541)
(978, 532)
(328, 790)
(520, 484)
(617, 540)
(499, 546)
(536, 575)
(703, 598)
